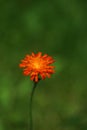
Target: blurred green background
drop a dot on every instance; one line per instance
(58, 28)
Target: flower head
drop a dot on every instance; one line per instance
(36, 65)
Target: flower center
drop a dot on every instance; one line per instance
(36, 65)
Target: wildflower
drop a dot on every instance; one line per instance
(36, 65)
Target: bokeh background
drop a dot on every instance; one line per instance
(58, 28)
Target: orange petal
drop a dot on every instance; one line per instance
(36, 78)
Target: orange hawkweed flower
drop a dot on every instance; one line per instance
(36, 65)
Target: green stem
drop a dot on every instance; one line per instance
(31, 100)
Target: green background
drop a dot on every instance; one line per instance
(58, 28)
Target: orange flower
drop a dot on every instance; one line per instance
(37, 65)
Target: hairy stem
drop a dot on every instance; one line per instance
(30, 110)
